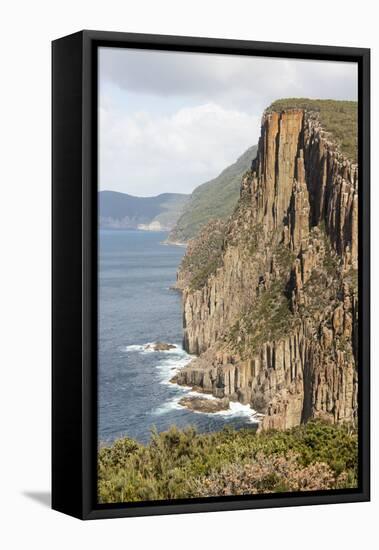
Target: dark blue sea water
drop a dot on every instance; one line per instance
(136, 307)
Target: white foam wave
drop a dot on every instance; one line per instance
(169, 362)
(149, 348)
(235, 411)
(238, 410)
(172, 404)
(170, 367)
(144, 348)
(176, 359)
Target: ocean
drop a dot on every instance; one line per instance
(138, 307)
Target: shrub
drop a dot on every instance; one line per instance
(204, 254)
(177, 463)
(267, 474)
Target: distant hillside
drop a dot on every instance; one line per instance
(213, 199)
(122, 211)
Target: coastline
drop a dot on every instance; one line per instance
(167, 242)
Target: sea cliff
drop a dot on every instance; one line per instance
(270, 301)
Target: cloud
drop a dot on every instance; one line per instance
(170, 121)
(232, 81)
(145, 154)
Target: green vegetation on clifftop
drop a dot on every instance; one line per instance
(340, 118)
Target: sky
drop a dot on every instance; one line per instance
(169, 121)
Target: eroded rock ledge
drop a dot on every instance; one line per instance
(204, 405)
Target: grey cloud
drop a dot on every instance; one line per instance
(234, 81)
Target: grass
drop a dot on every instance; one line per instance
(204, 255)
(269, 317)
(323, 287)
(182, 463)
(340, 118)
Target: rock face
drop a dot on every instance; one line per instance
(204, 405)
(160, 346)
(275, 321)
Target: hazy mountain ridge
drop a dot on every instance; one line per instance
(123, 211)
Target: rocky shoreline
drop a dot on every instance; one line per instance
(204, 405)
(207, 400)
(203, 401)
(160, 346)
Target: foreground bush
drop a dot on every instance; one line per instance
(182, 463)
(269, 474)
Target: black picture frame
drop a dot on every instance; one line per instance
(74, 271)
